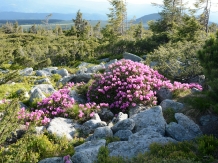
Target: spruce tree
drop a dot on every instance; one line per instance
(208, 57)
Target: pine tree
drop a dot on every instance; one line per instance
(138, 34)
(117, 16)
(208, 57)
(81, 25)
(205, 15)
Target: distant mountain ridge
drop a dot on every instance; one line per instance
(41, 16)
(144, 19)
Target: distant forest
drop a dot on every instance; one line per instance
(29, 21)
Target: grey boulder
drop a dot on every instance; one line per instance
(176, 106)
(152, 117)
(126, 124)
(27, 71)
(36, 94)
(137, 143)
(90, 125)
(123, 134)
(63, 127)
(185, 129)
(63, 72)
(45, 88)
(88, 151)
(132, 57)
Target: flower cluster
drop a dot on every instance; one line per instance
(66, 159)
(88, 110)
(4, 101)
(127, 83)
(55, 105)
(37, 116)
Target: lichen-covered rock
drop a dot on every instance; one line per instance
(78, 98)
(123, 134)
(36, 94)
(45, 88)
(126, 124)
(43, 81)
(27, 71)
(63, 72)
(90, 125)
(136, 110)
(63, 127)
(206, 119)
(132, 57)
(152, 117)
(101, 133)
(88, 151)
(163, 94)
(185, 129)
(137, 143)
(176, 106)
(105, 114)
(43, 73)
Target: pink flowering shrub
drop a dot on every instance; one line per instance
(88, 110)
(38, 117)
(127, 83)
(55, 105)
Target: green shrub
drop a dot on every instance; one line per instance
(56, 77)
(9, 121)
(103, 157)
(207, 146)
(208, 57)
(177, 61)
(33, 148)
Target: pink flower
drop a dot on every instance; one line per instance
(133, 104)
(81, 113)
(92, 114)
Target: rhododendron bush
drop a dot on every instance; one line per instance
(54, 105)
(127, 83)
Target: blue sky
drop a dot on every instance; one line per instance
(136, 8)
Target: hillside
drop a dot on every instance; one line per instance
(147, 18)
(21, 15)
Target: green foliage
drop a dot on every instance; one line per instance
(188, 31)
(201, 102)
(11, 76)
(208, 57)
(44, 63)
(9, 121)
(177, 61)
(81, 26)
(169, 115)
(56, 77)
(111, 139)
(10, 90)
(192, 151)
(207, 146)
(82, 89)
(103, 157)
(116, 17)
(180, 93)
(73, 112)
(33, 148)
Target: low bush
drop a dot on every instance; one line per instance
(127, 83)
(55, 105)
(33, 148)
